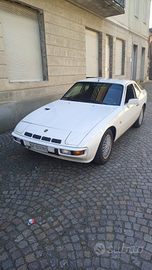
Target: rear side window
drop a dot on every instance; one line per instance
(137, 90)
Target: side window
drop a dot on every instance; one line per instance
(137, 90)
(130, 93)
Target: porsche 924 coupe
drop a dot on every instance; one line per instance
(85, 122)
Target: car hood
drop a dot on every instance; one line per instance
(69, 120)
(69, 115)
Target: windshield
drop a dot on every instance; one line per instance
(100, 93)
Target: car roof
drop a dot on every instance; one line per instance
(116, 81)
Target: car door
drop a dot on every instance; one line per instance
(131, 112)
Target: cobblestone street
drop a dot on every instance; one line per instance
(86, 216)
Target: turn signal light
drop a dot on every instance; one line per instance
(78, 153)
(72, 153)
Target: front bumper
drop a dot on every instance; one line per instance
(64, 152)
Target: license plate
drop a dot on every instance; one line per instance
(38, 147)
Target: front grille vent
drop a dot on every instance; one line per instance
(47, 139)
(43, 138)
(28, 134)
(56, 141)
(35, 136)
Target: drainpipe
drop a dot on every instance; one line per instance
(150, 58)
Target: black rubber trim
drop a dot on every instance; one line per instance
(22, 143)
(56, 153)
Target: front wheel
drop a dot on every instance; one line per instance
(140, 119)
(105, 148)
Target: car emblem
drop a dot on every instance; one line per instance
(45, 130)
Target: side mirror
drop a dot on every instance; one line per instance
(133, 101)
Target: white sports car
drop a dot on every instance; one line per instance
(85, 122)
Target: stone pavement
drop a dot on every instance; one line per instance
(86, 216)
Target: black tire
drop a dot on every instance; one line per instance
(105, 148)
(140, 119)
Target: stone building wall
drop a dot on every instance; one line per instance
(65, 25)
